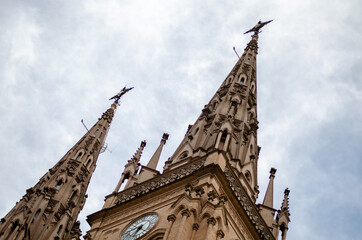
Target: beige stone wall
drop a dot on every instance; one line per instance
(196, 215)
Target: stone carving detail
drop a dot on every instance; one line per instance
(236, 68)
(89, 142)
(253, 45)
(246, 67)
(108, 115)
(158, 182)
(247, 204)
(199, 191)
(211, 195)
(188, 189)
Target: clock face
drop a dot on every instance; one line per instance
(139, 227)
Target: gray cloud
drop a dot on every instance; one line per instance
(60, 62)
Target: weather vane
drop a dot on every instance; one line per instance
(118, 96)
(257, 27)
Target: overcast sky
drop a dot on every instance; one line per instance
(60, 62)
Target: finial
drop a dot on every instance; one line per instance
(286, 192)
(164, 137)
(272, 172)
(257, 27)
(118, 96)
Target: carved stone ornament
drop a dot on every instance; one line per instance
(158, 182)
(108, 115)
(253, 45)
(211, 195)
(236, 68)
(220, 233)
(195, 226)
(248, 206)
(199, 191)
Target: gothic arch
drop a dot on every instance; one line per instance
(79, 155)
(242, 79)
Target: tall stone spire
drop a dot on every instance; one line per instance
(228, 123)
(268, 199)
(49, 210)
(266, 209)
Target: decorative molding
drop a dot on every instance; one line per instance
(248, 206)
(158, 182)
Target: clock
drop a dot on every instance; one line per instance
(139, 227)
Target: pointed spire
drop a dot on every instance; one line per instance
(131, 168)
(156, 156)
(285, 204)
(137, 156)
(283, 217)
(62, 189)
(228, 123)
(268, 199)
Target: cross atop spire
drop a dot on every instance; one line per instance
(118, 96)
(257, 27)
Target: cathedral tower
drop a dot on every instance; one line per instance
(209, 186)
(49, 210)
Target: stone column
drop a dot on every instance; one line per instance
(195, 227)
(171, 219)
(185, 214)
(219, 234)
(210, 223)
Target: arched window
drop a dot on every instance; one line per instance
(96, 132)
(100, 135)
(79, 156)
(37, 213)
(72, 196)
(223, 136)
(88, 163)
(124, 181)
(252, 88)
(59, 183)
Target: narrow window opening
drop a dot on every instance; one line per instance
(282, 230)
(72, 196)
(100, 135)
(197, 129)
(242, 80)
(79, 156)
(88, 163)
(248, 60)
(59, 229)
(125, 181)
(223, 136)
(37, 213)
(95, 133)
(59, 184)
